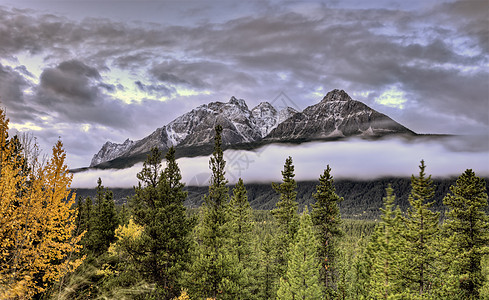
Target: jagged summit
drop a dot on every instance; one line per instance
(336, 115)
(336, 95)
(236, 101)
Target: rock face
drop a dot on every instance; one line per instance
(110, 151)
(337, 115)
(267, 117)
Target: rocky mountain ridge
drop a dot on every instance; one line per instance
(335, 116)
(196, 128)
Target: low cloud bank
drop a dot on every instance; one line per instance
(355, 159)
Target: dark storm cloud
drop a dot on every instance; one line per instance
(74, 92)
(160, 90)
(71, 80)
(12, 85)
(471, 19)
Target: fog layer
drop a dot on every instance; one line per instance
(354, 159)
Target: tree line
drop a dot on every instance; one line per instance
(156, 248)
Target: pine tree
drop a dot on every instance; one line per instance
(326, 218)
(420, 233)
(266, 276)
(285, 214)
(84, 212)
(240, 227)
(301, 280)
(385, 279)
(103, 221)
(158, 207)
(213, 270)
(467, 226)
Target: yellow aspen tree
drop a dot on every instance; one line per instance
(37, 222)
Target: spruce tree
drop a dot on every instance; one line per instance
(285, 214)
(98, 220)
(158, 207)
(240, 227)
(385, 279)
(420, 233)
(266, 276)
(467, 226)
(301, 280)
(213, 272)
(104, 220)
(326, 218)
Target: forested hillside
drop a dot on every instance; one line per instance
(362, 199)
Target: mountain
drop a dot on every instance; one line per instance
(196, 129)
(335, 116)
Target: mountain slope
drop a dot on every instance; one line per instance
(337, 115)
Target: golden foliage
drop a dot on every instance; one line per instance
(37, 221)
(183, 296)
(127, 239)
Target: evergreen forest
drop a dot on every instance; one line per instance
(55, 245)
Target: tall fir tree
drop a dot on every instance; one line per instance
(301, 280)
(240, 228)
(285, 215)
(420, 233)
(266, 275)
(213, 272)
(467, 226)
(98, 221)
(387, 245)
(326, 218)
(104, 220)
(165, 239)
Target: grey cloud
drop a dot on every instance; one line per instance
(12, 85)
(134, 61)
(470, 17)
(72, 81)
(74, 92)
(155, 89)
(170, 78)
(202, 74)
(23, 70)
(108, 87)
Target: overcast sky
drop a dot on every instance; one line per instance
(92, 71)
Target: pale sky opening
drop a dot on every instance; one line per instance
(393, 97)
